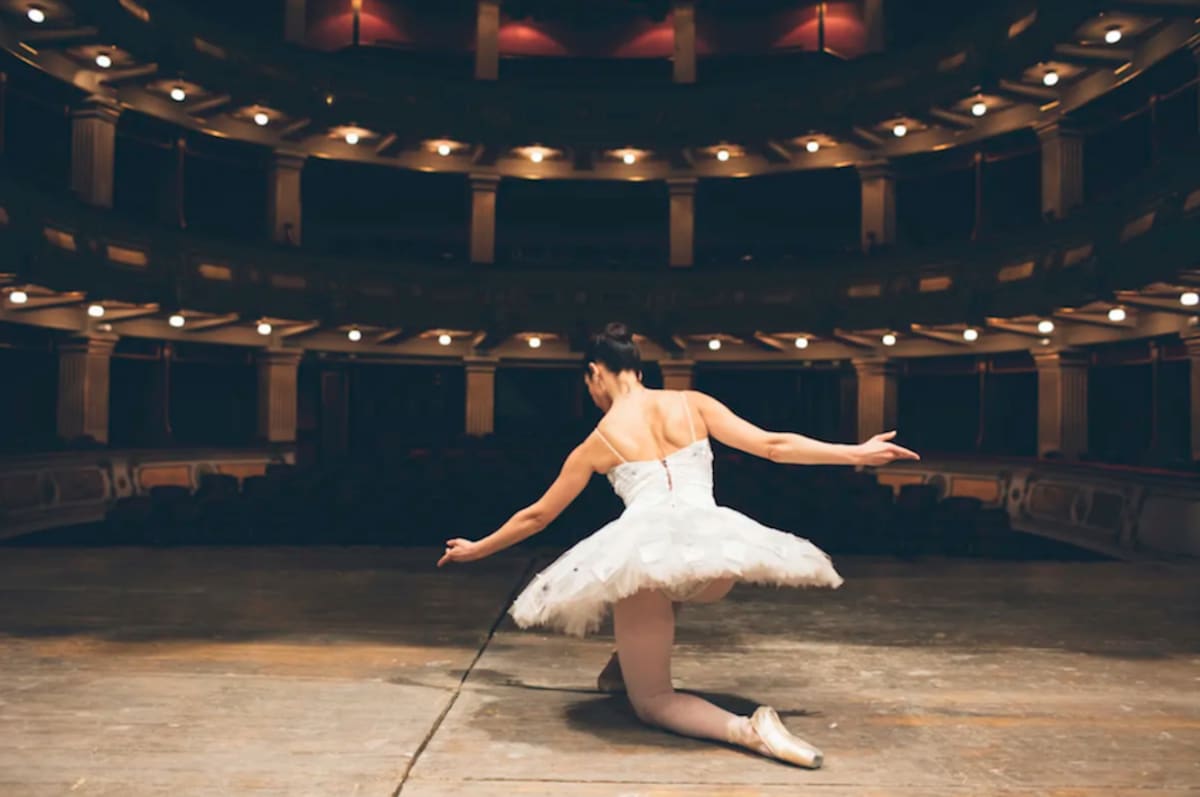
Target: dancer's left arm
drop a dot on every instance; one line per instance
(573, 477)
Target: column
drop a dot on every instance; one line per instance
(1062, 402)
(876, 396)
(284, 204)
(93, 150)
(481, 396)
(683, 17)
(295, 21)
(677, 374)
(1193, 348)
(83, 382)
(277, 376)
(487, 40)
(483, 217)
(878, 205)
(683, 221)
(1062, 169)
(335, 415)
(873, 21)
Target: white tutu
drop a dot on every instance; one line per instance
(672, 536)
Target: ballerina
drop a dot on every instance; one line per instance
(672, 544)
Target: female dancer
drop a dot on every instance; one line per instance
(671, 544)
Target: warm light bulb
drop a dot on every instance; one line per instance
(96, 310)
(801, 343)
(714, 344)
(443, 149)
(1117, 315)
(900, 130)
(1112, 35)
(813, 145)
(264, 328)
(1050, 78)
(1045, 327)
(629, 158)
(104, 60)
(18, 297)
(1189, 299)
(535, 342)
(979, 108)
(445, 340)
(537, 156)
(970, 334)
(889, 339)
(36, 15)
(262, 120)
(178, 94)
(352, 138)
(177, 321)
(355, 335)
(722, 155)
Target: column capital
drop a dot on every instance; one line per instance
(1056, 130)
(485, 182)
(1060, 358)
(876, 170)
(676, 364)
(278, 356)
(476, 364)
(98, 343)
(875, 366)
(1191, 339)
(288, 159)
(97, 107)
(682, 186)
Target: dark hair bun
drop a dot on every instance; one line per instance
(614, 349)
(618, 333)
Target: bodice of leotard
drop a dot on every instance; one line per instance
(684, 476)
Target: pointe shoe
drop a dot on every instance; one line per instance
(780, 741)
(611, 678)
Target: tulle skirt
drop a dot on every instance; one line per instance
(677, 549)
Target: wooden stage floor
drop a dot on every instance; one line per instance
(366, 671)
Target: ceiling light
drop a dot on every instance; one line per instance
(264, 328)
(1050, 78)
(443, 149)
(355, 335)
(900, 130)
(1045, 326)
(96, 310)
(104, 60)
(178, 94)
(537, 156)
(1117, 315)
(352, 138)
(714, 344)
(970, 334)
(1112, 35)
(889, 339)
(979, 108)
(176, 320)
(629, 158)
(36, 15)
(18, 297)
(812, 145)
(801, 342)
(722, 155)
(1189, 299)
(262, 120)
(535, 342)
(445, 339)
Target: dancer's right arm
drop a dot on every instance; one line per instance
(791, 448)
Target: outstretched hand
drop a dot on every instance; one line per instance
(460, 550)
(879, 450)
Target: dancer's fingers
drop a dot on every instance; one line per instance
(885, 436)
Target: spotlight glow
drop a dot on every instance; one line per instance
(104, 60)
(18, 297)
(177, 321)
(714, 344)
(178, 94)
(36, 15)
(262, 119)
(535, 342)
(1050, 78)
(900, 130)
(1117, 315)
(1189, 299)
(445, 339)
(801, 343)
(722, 155)
(970, 334)
(443, 149)
(1112, 35)
(979, 108)
(537, 156)
(889, 339)
(96, 310)
(812, 145)
(629, 158)
(1046, 326)
(355, 335)
(264, 328)
(352, 138)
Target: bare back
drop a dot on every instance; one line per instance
(650, 425)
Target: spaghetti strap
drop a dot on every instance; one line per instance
(688, 411)
(610, 445)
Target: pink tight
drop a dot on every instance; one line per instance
(645, 630)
